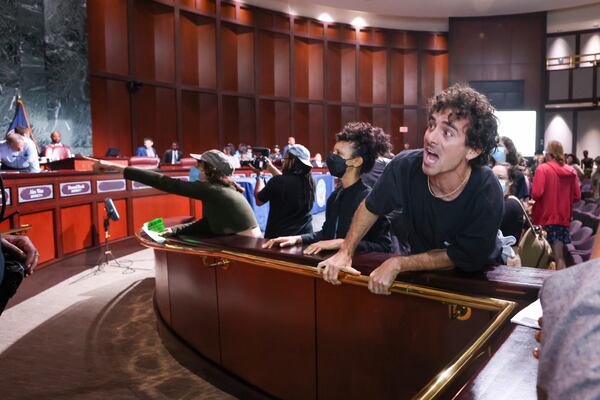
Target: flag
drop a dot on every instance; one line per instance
(20, 117)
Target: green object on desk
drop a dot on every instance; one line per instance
(156, 225)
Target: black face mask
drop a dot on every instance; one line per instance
(337, 165)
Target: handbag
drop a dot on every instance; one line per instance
(533, 249)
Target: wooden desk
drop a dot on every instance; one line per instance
(65, 208)
(276, 329)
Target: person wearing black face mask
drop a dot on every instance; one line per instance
(355, 151)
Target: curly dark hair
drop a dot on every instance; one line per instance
(369, 142)
(511, 151)
(216, 177)
(482, 130)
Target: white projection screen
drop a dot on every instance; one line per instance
(520, 126)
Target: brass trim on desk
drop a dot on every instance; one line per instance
(435, 386)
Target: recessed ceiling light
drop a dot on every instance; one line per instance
(359, 22)
(324, 17)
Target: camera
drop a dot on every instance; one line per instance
(260, 161)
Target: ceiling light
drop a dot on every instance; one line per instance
(359, 22)
(324, 17)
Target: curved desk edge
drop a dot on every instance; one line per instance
(503, 309)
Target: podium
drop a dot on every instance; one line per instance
(79, 163)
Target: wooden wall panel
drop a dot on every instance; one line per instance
(275, 124)
(111, 116)
(239, 123)
(118, 229)
(76, 227)
(404, 80)
(500, 48)
(41, 233)
(341, 75)
(107, 36)
(198, 52)
(434, 78)
(168, 205)
(274, 62)
(241, 83)
(309, 69)
(200, 122)
(407, 118)
(308, 123)
(155, 113)
(154, 36)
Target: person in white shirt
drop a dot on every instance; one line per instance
(19, 153)
(56, 150)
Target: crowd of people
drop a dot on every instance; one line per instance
(460, 202)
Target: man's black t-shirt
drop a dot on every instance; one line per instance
(466, 227)
(288, 212)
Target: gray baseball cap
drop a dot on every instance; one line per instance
(217, 159)
(302, 153)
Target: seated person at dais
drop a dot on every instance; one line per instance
(356, 148)
(290, 194)
(173, 155)
(226, 211)
(56, 150)
(451, 201)
(18, 153)
(147, 150)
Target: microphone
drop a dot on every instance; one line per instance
(111, 210)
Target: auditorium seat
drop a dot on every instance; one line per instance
(575, 225)
(578, 237)
(144, 162)
(188, 162)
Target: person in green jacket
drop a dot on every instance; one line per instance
(226, 211)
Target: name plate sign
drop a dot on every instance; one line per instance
(110, 185)
(137, 186)
(75, 188)
(35, 193)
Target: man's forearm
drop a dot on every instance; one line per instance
(362, 221)
(430, 260)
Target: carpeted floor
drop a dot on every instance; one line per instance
(93, 337)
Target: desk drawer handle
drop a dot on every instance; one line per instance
(221, 263)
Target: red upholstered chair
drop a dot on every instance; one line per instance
(144, 162)
(55, 153)
(188, 162)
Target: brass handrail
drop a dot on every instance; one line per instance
(435, 386)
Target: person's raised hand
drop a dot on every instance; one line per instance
(331, 267)
(283, 241)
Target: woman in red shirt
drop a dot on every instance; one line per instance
(555, 189)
